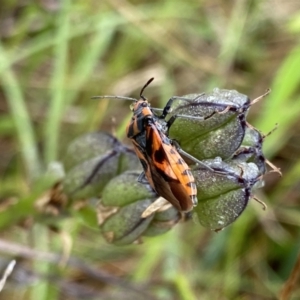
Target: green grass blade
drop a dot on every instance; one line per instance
(45, 40)
(231, 41)
(23, 123)
(41, 237)
(97, 47)
(282, 101)
(57, 105)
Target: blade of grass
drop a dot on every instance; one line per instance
(183, 285)
(84, 67)
(41, 238)
(21, 117)
(57, 105)
(148, 263)
(159, 36)
(232, 262)
(45, 40)
(231, 40)
(285, 84)
(88, 60)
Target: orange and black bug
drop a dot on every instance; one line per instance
(164, 168)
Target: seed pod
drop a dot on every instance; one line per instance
(222, 199)
(222, 130)
(123, 202)
(92, 160)
(252, 152)
(126, 225)
(126, 189)
(124, 199)
(163, 221)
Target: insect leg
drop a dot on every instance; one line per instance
(142, 178)
(197, 161)
(174, 117)
(167, 108)
(180, 115)
(194, 159)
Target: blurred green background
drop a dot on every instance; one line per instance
(55, 55)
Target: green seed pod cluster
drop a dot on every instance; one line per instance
(98, 165)
(223, 198)
(220, 129)
(92, 160)
(212, 128)
(123, 201)
(219, 136)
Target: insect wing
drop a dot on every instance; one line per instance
(157, 182)
(144, 159)
(169, 170)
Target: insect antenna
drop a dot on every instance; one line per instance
(114, 97)
(143, 88)
(126, 98)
